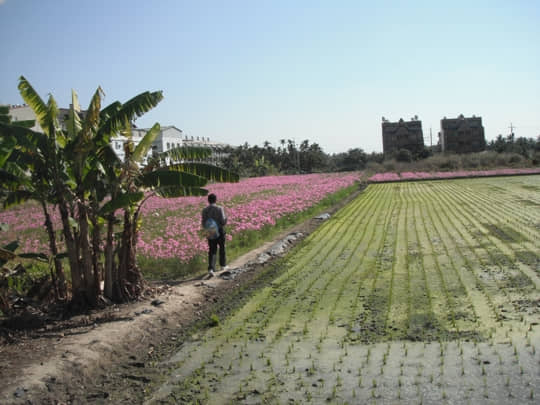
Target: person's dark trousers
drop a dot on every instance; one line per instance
(213, 245)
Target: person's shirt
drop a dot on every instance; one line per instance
(216, 212)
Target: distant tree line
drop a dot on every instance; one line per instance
(292, 158)
(526, 147)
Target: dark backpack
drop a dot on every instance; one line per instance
(211, 229)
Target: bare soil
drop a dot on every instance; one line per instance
(107, 355)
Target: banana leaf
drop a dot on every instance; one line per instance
(35, 102)
(187, 153)
(125, 200)
(146, 143)
(119, 114)
(210, 172)
(174, 192)
(164, 178)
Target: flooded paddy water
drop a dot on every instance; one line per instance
(418, 292)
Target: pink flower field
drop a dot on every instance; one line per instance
(408, 176)
(171, 227)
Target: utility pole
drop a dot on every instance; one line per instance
(511, 129)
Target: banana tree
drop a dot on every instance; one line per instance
(137, 184)
(26, 174)
(98, 175)
(76, 170)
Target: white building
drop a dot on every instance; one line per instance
(23, 112)
(168, 138)
(117, 143)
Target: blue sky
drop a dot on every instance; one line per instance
(250, 71)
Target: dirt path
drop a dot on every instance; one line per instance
(97, 357)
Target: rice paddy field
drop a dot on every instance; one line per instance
(415, 293)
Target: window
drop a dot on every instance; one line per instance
(168, 146)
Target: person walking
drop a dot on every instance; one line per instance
(217, 214)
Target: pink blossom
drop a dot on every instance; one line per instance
(384, 177)
(171, 227)
(407, 176)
